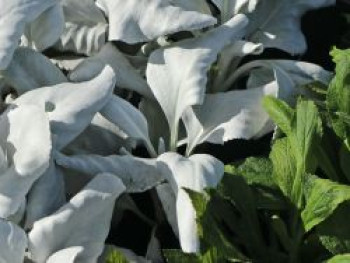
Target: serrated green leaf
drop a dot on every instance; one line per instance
(294, 157)
(284, 165)
(258, 172)
(338, 97)
(322, 198)
(280, 113)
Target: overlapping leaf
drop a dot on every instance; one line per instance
(177, 86)
(14, 16)
(71, 107)
(63, 235)
(133, 21)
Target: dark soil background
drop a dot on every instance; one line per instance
(323, 29)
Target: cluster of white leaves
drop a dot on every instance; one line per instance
(67, 130)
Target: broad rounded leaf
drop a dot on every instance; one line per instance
(14, 16)
(84, 222)
(85, 28)
(200, 6)
(71, 106)
(134, 21)
(137, 174)
(196, 173)
(276, 23)
(46, 29)
(46, 195)
(30, 70)
(13, 243)
(26, 146)
(237, 114)
(67, 255)
(129, 119)
(178, 85)
(127, 76)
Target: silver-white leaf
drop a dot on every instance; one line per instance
(178, 85)
(25, 144)
(127, 76)
(129, 119)
(13, 243)
(71, 106)
(196, 173)
(137, 174)
(134, 21)
(46, 195)
(276, 23)
(200, 6)
(44, 31)
(110, 139)
(85, 27)
(83, 222)
(224, 116)
(13, 22)
(30, 70)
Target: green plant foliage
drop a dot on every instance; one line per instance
(338, 96)
(115, 256)
(294, 205)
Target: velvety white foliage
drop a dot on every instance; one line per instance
(13, 242)
(67, 63)
(224, 116)
(25, 147)
(67, 255)
(129, 119)
(71, 106)
(44, 31)
(168, 199)
(127, 76)
(290, 75)
(133, 21)
(14, 16)
(85, 27)
(229, 59)
(176, 85)
(229, 8)
(46, 195)
(82, 223)
(193, 5)
(196, 173)
(158, 128)
(137, 174)
(110, 139)
(274, 23)
(30, 70)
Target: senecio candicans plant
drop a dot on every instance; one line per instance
(66, 131)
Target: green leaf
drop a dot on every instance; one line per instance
(344, 156)
(115, 256)
(322, 198)
(345, 258)
(256, 171)
(334, 232)
(338, 97)
(280, 113)
(177, 256)
(284, 165)
(258, 174)
(294, 157)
